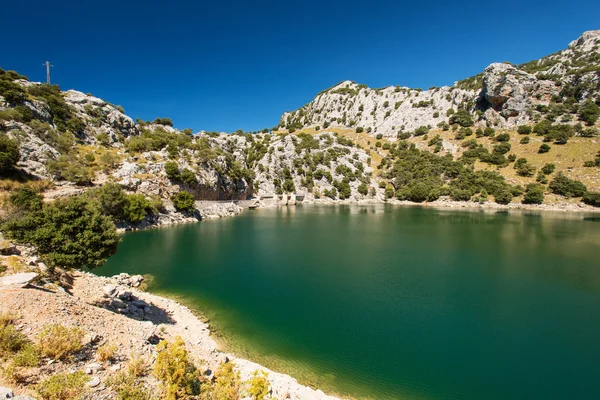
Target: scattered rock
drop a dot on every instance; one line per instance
(6, 393)
(95, 381)
(109, 289)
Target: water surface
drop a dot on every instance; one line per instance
(395, 302)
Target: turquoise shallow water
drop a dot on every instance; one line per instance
(395, 302)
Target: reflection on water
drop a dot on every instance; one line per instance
(396, 301)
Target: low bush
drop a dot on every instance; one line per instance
(128, 387)
(544, 148)
(227, 385)
(60, 342)
(9, 154)
(66, 386)
(592, 199)
(567, 187)
(548, 168)
(524, 130)
(258, 385)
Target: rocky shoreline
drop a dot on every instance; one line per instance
(224, 210)
(115, 310)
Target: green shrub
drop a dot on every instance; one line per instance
(172, 170)
(183, 201)
(503, 137)
(11, 340)
(592, 199)
(534, 194)
(136, 208)
(422, 130)
(188, 177)
(462, 117)
(26, 199)
(548, 168)
(363, 189)
(9, 154)
(59, 109)
(524, 130)
(504, 196)
(524, 140)
(163, 121)
(502, 148)
(589, 112)
(227, 385)
(70, 169)
(127, 387)
(66, 386)
(567, 187)
(544, 148)
(523, 168)
(112, 199)
(359, 129)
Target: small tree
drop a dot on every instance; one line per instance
(70, 233)
(503, 196)
(183, 201)
(534, 194)
(136, 208)
(112, 199)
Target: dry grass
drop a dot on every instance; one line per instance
(103, 158)
(41, 185)
(137, 366)
(568, 158)
(107, 353)
(15, 264)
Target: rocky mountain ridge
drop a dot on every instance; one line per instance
(503, 96)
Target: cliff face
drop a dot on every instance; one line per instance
(503, 96)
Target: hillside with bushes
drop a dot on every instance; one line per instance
(510, 130)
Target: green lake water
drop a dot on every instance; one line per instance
(394, 302)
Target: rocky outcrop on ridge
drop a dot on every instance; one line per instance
(503, 96)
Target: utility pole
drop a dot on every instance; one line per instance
(48, 65)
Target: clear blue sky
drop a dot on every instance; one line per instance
(226, 65)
